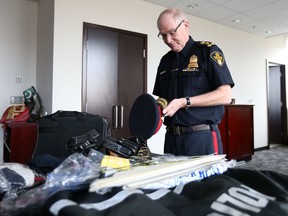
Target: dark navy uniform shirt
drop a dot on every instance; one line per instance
(199, 68)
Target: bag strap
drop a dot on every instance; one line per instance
(63, 113)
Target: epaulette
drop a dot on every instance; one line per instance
(206, 43)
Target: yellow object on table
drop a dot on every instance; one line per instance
(115, 162)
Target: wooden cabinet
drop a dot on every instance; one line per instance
(237, 132)
(19, 142)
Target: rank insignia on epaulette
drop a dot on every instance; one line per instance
(218, 58)
(207, 43)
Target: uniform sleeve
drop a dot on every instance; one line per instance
(218, 72)
(161, 67)
(156, 90)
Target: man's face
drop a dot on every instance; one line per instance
(174, 33)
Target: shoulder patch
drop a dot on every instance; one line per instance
(218, 58)
(206, 43)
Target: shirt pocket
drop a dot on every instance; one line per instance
(191, 83)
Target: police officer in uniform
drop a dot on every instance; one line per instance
(195, 80)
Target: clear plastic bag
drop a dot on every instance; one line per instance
(14, 178)
(76, 172)
(4, 184)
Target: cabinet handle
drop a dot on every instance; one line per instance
(115, 116)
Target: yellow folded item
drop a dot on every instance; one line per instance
(115, 162)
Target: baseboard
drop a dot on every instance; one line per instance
(262, 148)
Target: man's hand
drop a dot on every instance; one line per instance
(173, 106)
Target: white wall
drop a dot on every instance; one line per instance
(245, 54)
(18, 37)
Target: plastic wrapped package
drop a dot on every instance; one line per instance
(76, 172)
(14, 178)
(163, 171)
(4, 184)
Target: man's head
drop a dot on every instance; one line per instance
(173, 28)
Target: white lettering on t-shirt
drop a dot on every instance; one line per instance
(238, 198)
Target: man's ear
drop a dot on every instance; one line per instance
(186, 23)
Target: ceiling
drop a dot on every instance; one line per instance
(264, 18)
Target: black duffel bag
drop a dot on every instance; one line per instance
(57, 129)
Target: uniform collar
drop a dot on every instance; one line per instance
(185, 51)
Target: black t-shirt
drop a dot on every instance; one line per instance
(236, 192)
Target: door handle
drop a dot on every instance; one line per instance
(121, 119)
(115, 116)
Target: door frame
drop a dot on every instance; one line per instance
(284, 100)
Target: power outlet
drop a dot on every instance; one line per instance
(17, 99)
(18, 78)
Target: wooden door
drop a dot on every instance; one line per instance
(277, 113)
(114, 74)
